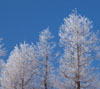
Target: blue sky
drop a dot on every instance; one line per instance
(22, 20)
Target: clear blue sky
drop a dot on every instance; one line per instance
(22, 20)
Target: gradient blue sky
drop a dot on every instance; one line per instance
(22, 20)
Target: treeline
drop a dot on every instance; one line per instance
(39, 66)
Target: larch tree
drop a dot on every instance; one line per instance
(46, 57)
(2, 54)
(21, 69)
(80, 45)
(2, 50)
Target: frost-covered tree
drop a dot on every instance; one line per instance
(21, 69)
(2, 50)
(2, 54)
(80, 45)
(46, 57)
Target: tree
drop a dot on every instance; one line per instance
(2, 50)
(80, 45)
(21, 69)
(2, 54)
(46, 57)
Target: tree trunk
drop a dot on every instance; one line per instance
(78, 61)
(78, 84)
(23, 83)
(45, 84)
(46, 72)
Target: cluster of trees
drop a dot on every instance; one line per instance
(34, 66)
